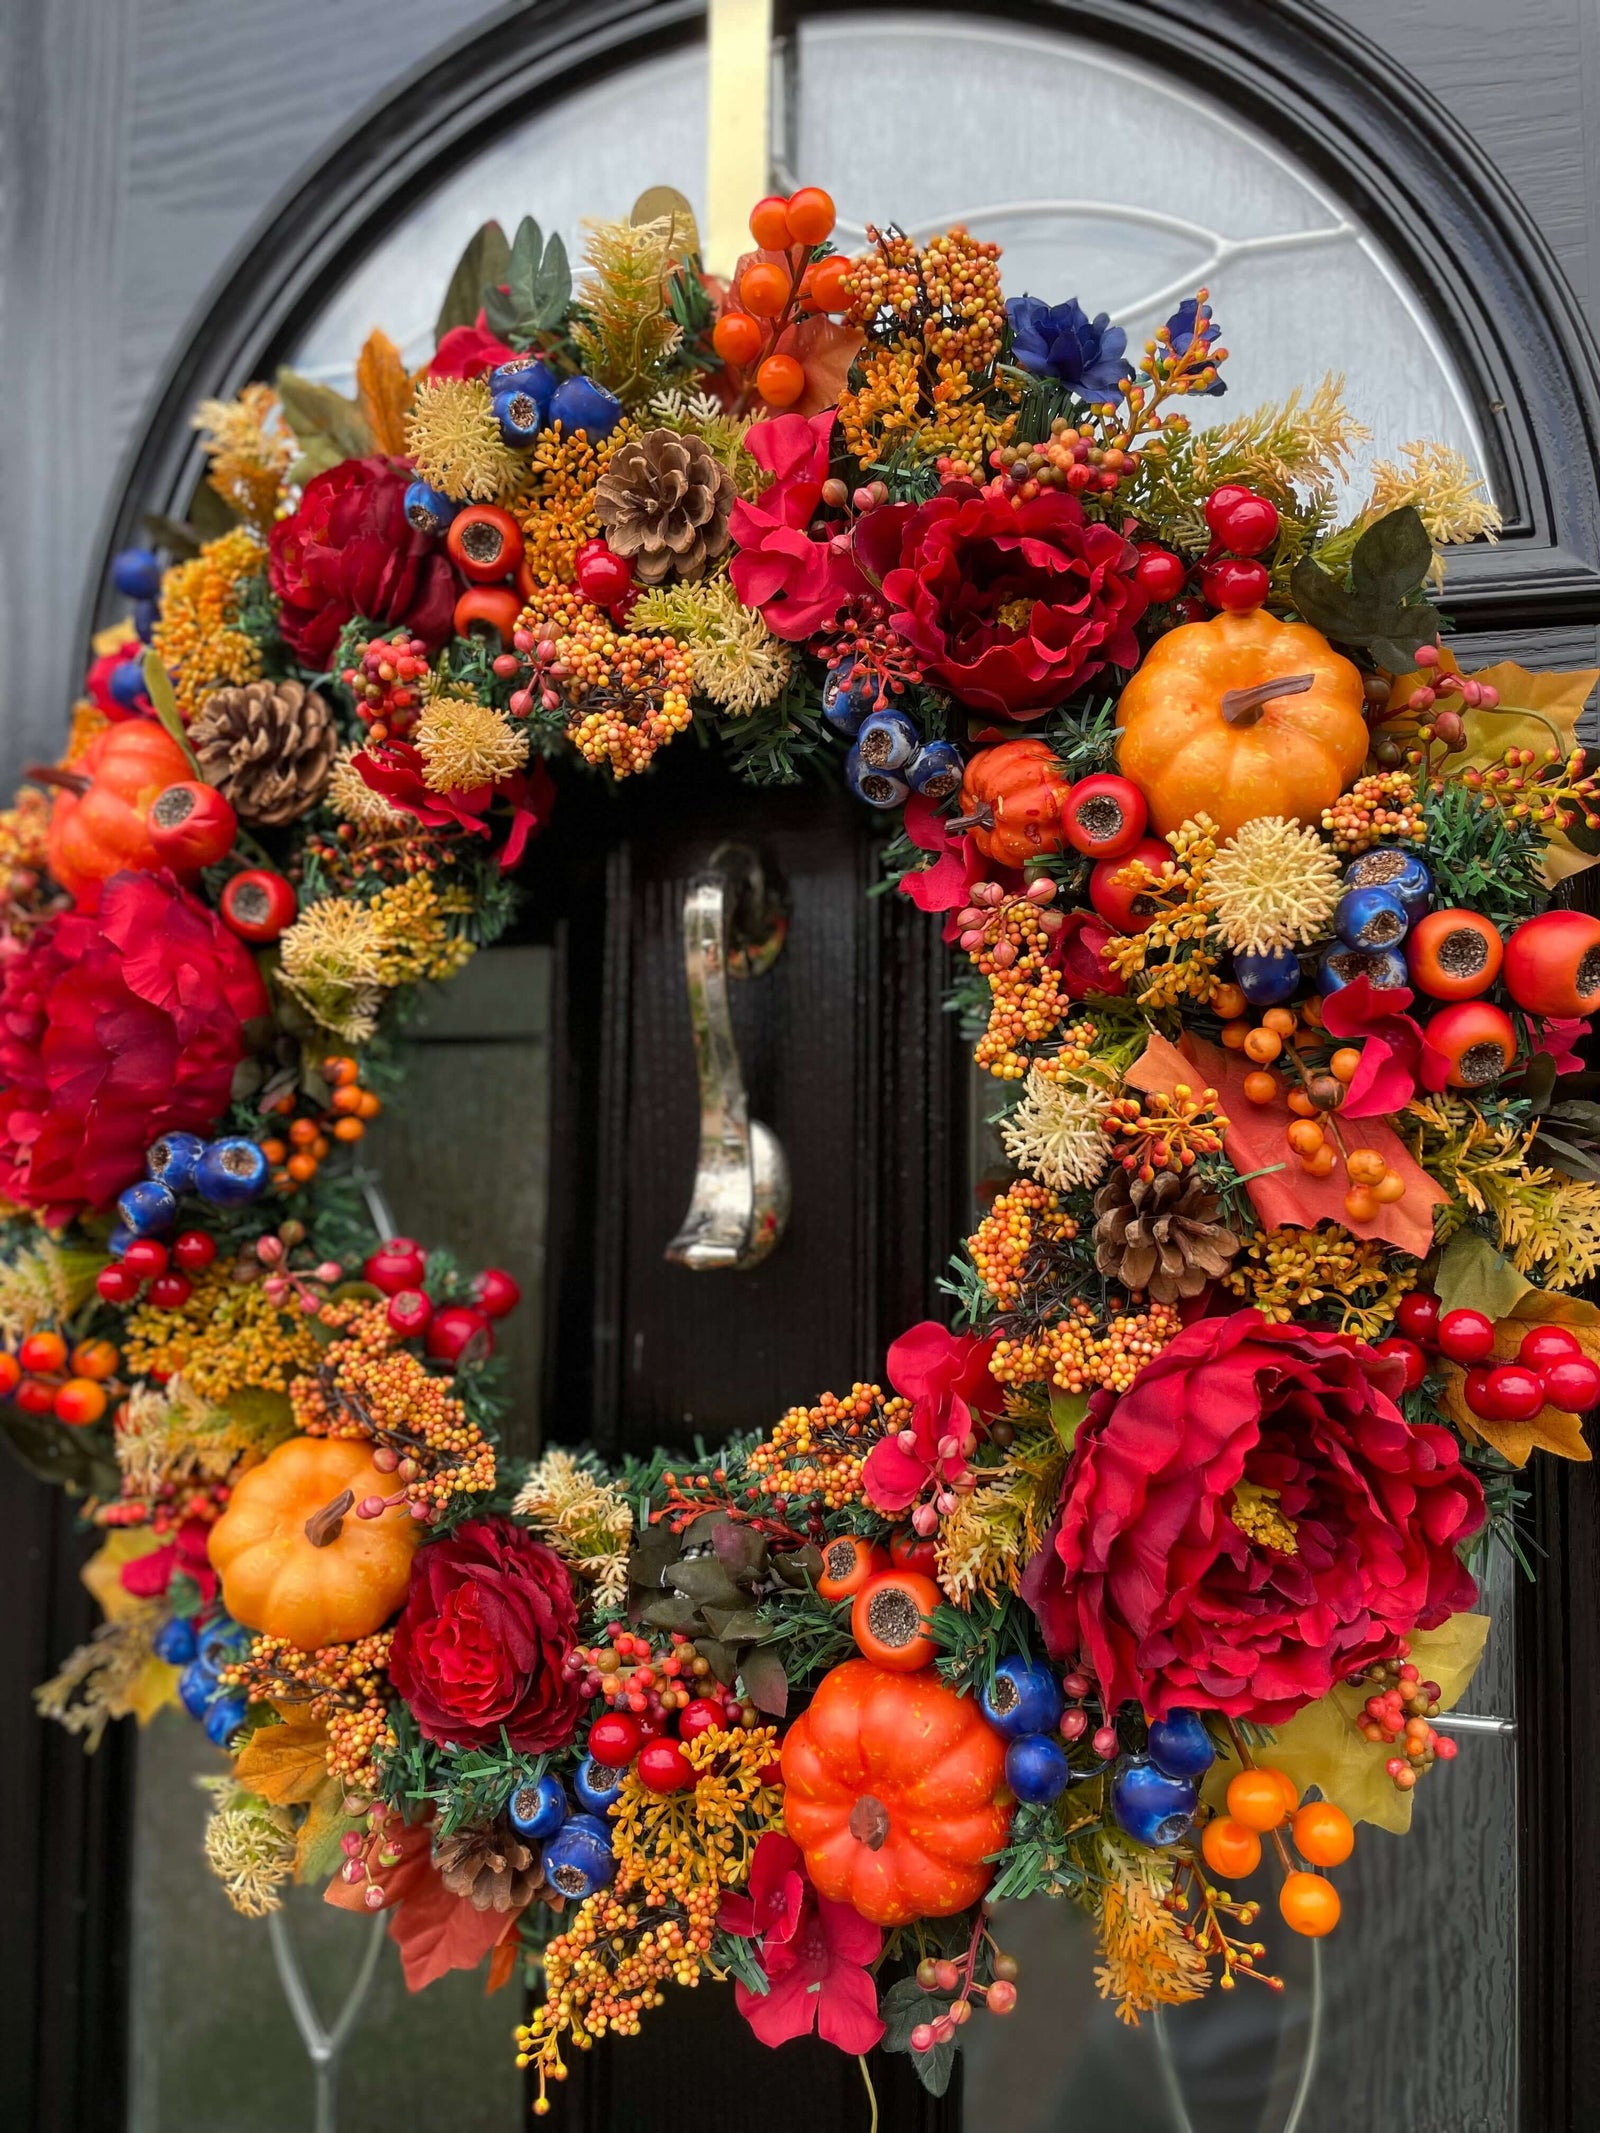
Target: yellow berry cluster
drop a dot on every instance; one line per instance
(229, 1334)
(1162, 1132)
(344, 1685)
(1381, 809)
(628, 695)
(818, 1451)
(196, 638)
(558, 510)
(670, 1844)
(1026, 996)
(946, 292)
(1024, 1215)
(1075, 1356)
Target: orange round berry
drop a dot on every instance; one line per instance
(95, 1359)
(1342, 1066)
(737, 338)
(339, 1070)
(302, 1168)
(1228, 1001)
(1255, 1799)
(1286, 1785)
(1234, 1034)
(1365, 1166)
(1300, 1104)
(1309, 1905)
(769, 224)
(302, 1132)
(370, 1105)
(1323, 1833)
(1263, 1046)
(1230, 1849)
(780, 381)
(1260, 1087)
(1281, 1019)
(1305, 1136)
(348, 1129)
(811, 215)
(42, 1353)
(764, 288)
(1359, 1204)
(1389, 1188)
(347, 1098)
(79, 1402)
(274, 1150)
(827, 291)
(1320, 1165)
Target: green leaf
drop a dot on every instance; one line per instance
(158, 687)
(765, 1682)
(317, 412)
(706, 1582)
(1391, 561)
(677, 1612)
(552, 285)
(268, 1415)
(1538, 1083)
(740, 1625)
(481, 267)
(1067, 1410)
(903, 2008)
(1392, 629)
(800, 1568)
(1474, 1277)
(722, 1662)
(69, 1458)
(735, 1956)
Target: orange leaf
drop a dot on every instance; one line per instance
(286, 1764)
(434, 1930)
(384, 386)
(825, 350)
(503, 1962)
(1290, 1196)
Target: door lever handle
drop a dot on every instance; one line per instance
(734, 925)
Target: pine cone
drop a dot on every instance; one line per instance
(492, 1868)
(664, 503)
(1161, 1234)
(268, 747)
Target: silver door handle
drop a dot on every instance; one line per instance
(733, 926)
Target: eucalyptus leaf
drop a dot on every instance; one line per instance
(1067, 1410)
(317, 411)
(1538, 1083)
(737, 1625)
(765, 1682)
(1392, 559)
(740, 1549)
(158, 687)
(673, 1611)
(802, 1567)
(1564, 1155)
(481, 267)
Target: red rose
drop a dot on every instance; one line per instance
(797, 583)
(1011, 605)
(116, 1027)
(1252, 1521)
(480, 1644)
(468, 351)
(350, 550)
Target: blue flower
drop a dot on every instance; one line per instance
(1062, 341)
(1181, 327)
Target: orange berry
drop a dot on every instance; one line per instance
(780, 381)
(811, 215)
(827, 284)
(764, 289)
(737, 338)
(1260, 1087)
(1311, 1012)
(1255, 1799)
(1281, 1019)
(339, 1070)
(42, 1353)
(1305, 1136)
(348, 1129)
(1359, 1204)
(1365, 1166)
(1389, 1188)
(1228, 1002)
(95, 1359)
(1323, 1833)
(1321, 1164)
(1286, 1785)
(1309, 1905)
(769, 224)
(303, 1132)
(1300, 1104)
(80, 1401)
(1230, 1849)
(1342, 1066)
(274, 1150)
(319, 1147)
(370, 1105)
(1263, 1046)
(347, 1098)
(1234, 1034)
(302, 1168)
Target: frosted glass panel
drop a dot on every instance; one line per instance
(1101, 178)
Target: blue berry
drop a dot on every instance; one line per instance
(578, 1860)
(1370, 918)
(887, 740)
(146, 614)
(172, 1160)
(127, 685)
(148, 1207)
(224, 1719)
(1266, 980)
(1340, 967)
(596, 1786)
(1403, 874)
(1153, 1808)
(231, 1173)
(580, 404)
(1180, 1746)
(119, 1240)
(429, 509)
(1023, 1697)
(525, 374)
(879, 788)
(136, 573)
(1037, 1769)
(519, 415)
(936, 770)
(538, 1810)
(175, 1641)
(845, 703)
(197, 1686)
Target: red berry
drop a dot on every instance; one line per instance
(1545, 1345)
(1411, 1355)
(43, 1351)
(1466, 1336)
(194, 1250)
(1573, 1384)
(1235, 585)
(663, 1767)
(1245, 522)
(1002, 1996)
(603, 575)
(410, 1313)
(191, 825)
(1159, 573)
(79, 1402)
(909, 1551)
(145, 1257)
(396, 1265)
(614, 1740)
(10, 1374)
(495, 1293)
(36, 1396)
(1417, 1316)
(1516, 1393)
(700, 1716)
(117, 1283)
(1104, 816)
(170, 1292)
(454, 1329)
(258, 905)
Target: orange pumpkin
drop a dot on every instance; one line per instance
(294, 1559)
(1239, 717)
(1011, 801)
(895, 1791)
(99, 824)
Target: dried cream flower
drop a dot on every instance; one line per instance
(465, 742)
(1055, 1133)
(452, 434)
(1273, 885)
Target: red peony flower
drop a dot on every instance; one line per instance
(815, 1953)
(1011, 605)
(350, 550)
(1252, 1521)
(116, 1027)
(481, 1642)
(468, 351)
(946, 1377)
(798, 583)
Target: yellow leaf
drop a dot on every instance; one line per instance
(1322, 1747)
(102, 1573)
(1552, 1429)
(287, 1763)
(384, 386)
(156, 1687)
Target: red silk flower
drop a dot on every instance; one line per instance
(116, 1027)
(468, 351)
(350, 550)
(946, 1378)
(815, 1954)
(796, 582)
(1253, 1520)
(183, 1553)
(1395, 1052)
(395, 769)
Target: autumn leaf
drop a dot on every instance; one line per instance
(825, 351)
(503, 1962)
(435, 1931)
(317, 1850)
(384, 386)
(285, 1764)
(1552, 1429)
(102, 1573)
(1322, 1746)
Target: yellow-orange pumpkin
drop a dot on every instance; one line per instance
(293, 1564)
(1204, 730)
(98, 824)
(894, 1789)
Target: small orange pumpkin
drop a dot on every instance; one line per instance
(98, 825)
(294, 1559)
(1239, 717)
(894, 1789)
(1011, 801)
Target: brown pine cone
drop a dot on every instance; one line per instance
(664, 503)
(268, 747)
(492, 1868)
(1161, 1234)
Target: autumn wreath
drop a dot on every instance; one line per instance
(1166, 1542)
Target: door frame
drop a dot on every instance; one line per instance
(1500, 305)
